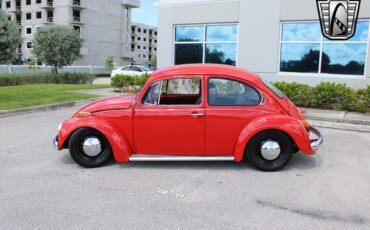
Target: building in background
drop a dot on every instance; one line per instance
(281, 40)
(143, 43)
(105, 25)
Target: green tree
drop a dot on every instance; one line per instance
(57, 46)
(153, 62)
(109, 63)
(10, 38)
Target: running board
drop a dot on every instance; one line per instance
(145, 157)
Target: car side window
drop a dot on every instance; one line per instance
(177, 91)
(227, 92)
(127, 68)
(135, 68)
(152, 95)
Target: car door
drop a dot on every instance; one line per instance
(231, 104)
(169, 119)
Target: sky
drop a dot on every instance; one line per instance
(147, 13)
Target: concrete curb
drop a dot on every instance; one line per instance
(41, 108)
(341, 126)
(344, 120)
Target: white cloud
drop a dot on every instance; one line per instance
(155, 3)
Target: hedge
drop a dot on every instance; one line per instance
(125, 81)
(45, 78)
(327, 95)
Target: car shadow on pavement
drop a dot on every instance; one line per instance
(301, 161)
(298, 161)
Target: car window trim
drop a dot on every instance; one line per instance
(260, 95)
(169, 78)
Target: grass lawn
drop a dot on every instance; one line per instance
(14, 97)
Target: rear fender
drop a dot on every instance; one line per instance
(120, 147)
(289, 125)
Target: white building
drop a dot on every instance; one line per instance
(143, 43)
(105, 25)
(279, 39)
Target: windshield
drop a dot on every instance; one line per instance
(274, 89)
(147, 68)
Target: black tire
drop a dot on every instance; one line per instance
(254, 151)
(77, 153)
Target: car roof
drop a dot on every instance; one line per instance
(204, 69)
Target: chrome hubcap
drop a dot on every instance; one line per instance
(270, 150)
(91, 146)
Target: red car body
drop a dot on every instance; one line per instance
(132, 127)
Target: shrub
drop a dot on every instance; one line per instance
(300, 94)
(363, 99)
(44, 78)
(334, 96)
(125, 81)
(327, 96)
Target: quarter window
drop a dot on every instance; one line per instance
(206, 44)
(178, 91)
(305, 50)
(225, 92)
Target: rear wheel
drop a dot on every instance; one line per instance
(270, 150)
(89, 148)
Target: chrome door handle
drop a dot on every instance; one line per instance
(196, 114)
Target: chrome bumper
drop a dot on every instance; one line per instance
(315, 143)
(55, 142)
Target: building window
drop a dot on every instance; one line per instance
(144, 47)
(139, 30)
(144, 39)
(8, 4)
(38, 1)
(205, 44)
(144, 31)
(138, 47)
(29, 30)
(39, 14)
(305, 50)
(77, 28)
(138, 38)
(29, 45)
(28, 2)
(28, 16)
(155, 33)
(37, 28)
(144, 56)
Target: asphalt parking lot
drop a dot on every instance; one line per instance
(44, 189)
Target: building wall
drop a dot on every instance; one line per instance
(144, 39)
(258, 36)
(105, 27)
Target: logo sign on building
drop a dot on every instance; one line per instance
(338, 18)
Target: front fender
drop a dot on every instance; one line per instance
(120, 146)
(283, 123)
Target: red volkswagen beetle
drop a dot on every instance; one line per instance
(198, 112)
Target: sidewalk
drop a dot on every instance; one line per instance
(338, 116)
(339, 120)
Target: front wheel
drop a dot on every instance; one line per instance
(270, 150)
(89, 148)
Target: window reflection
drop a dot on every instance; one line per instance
(344, 59)
(300, 58)
(219, 45)
(301, 32)
(221, 54)
(221, 33)
(189, 33)
(301, 50)
(188, 53)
